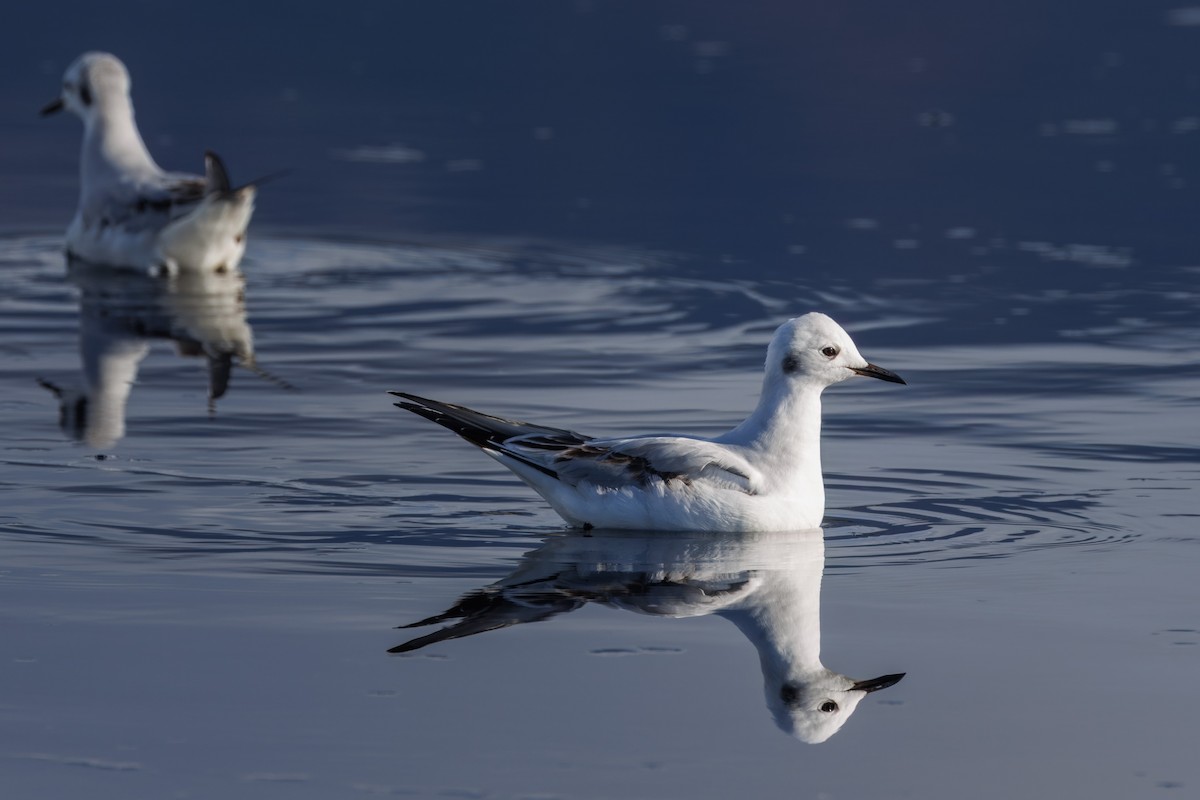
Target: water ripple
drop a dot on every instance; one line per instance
(956, 519)
(608, 340)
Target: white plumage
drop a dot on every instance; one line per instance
(131, 213)
(763, 475)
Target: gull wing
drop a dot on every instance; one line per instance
(652, 594)
(574, 458)
(637, 461)
(489, 609)
(151, 204)
(504, 605)
(538, 444)
(146, 206)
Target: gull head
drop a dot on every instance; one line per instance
(816, 708)
(90, 81)
(816, 350)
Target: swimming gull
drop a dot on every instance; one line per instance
(131, 213)
(763, 475)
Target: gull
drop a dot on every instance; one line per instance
(764, 475)
(766, 584)
(131, 213)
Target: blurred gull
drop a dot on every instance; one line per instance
(763, 475)
(122, 310)
(131, 213)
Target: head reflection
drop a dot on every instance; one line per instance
(121, 310)
(767, 584)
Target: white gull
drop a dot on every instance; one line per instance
(131, 213)
(764, 475)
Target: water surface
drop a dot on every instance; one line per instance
(492, 208)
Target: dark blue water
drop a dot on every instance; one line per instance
(593, 215)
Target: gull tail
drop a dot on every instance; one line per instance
(211, 235)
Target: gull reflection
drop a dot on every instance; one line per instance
(121, 310)
(767, 584)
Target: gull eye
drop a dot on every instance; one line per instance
(829, 706)
(85, 95)
(829, 351)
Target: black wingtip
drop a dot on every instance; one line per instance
(482, 430)
(270, 377)
(419, 405)
(270, 176)
(53, 388)
(215, 174)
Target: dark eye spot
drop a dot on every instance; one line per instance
(829, 706)
(789, 694)
(829, 352)
(85, 94)
(790, 364)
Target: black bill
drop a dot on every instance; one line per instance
(875, 684)
(53, 107)
(872, 371)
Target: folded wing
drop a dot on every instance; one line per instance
(575, 459)
(153, 203)
(641, 460)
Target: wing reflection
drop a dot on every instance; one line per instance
(767, 584)
(121, 310)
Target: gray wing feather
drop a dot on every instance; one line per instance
(638, 461)
(139, 208)
(489, 609)
(574, 458)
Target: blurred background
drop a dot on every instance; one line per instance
(817, 135)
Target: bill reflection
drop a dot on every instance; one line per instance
(767, 584)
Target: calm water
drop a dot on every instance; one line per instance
(593, 215)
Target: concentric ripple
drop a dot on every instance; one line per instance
(961, 517)
(605, 340)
